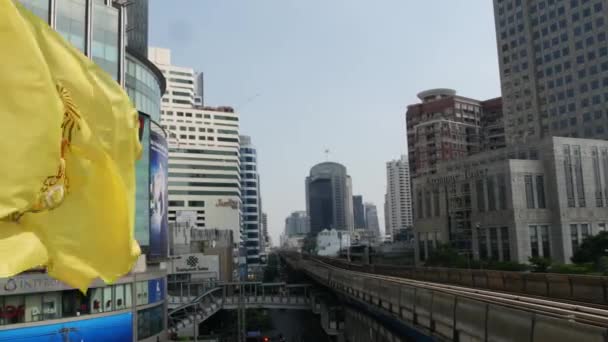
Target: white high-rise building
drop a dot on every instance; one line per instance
(251, 209)
(204, 166)
(398, 206)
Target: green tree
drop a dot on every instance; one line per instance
(310, 244)
(539, 264)
(592, 249)
(446, 256)
(271, 272)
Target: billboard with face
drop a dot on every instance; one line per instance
(159, 195)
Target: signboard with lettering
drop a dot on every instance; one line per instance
(454, 178)
(229, 203)
(156, 290)
(195, 263)
(32, 283)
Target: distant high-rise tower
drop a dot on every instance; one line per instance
(250, 196)
(296, 224)
(358, 212)
(371, 218)
(553, 58)
(329, 200)
(398, 197)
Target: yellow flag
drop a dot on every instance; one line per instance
(69, 146)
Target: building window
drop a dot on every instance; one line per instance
(574, 237)
(481, 205)
(150, 322)
(534, 241)
(540, 191)
(13, 310)
(176, 203)
(420, 212)
(584, 231)
(544, 237)
(427, 204)
(494, 243)
(491, 196)
(421, 244)
(601, 227)
(199, 204)
(104, 47)
(529, 192)
(578, 170)
(436, 202)
(483, 244)
(568, 175)
(599, 197)
(70, 21)
(38, 7)
(502, 192)
(506, 246)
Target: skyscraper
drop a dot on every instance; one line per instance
(204, 171)
(137, 26)
(296, 224)
(358, 212)
(553, 61)
(250, 191)
(446, 126)
(371, 218)
(329, 198)
(398, 197)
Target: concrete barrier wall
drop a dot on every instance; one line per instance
(451, 317)
(507, 324)
(592, 289)
(470, 319)
(549, 329)
(443, 314)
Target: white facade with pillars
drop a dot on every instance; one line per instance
(515, 203)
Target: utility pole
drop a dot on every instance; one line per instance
(241, 315)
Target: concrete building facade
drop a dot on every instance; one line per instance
(358, 212)
(553, 61)
(398, 198)
(329, 201)
(445, 126)
(204, 163)
(35, 307)
(297, 224)
(371, 218)
(515, 203)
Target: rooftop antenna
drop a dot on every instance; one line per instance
(326, 154)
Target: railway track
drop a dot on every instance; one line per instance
(577, 312)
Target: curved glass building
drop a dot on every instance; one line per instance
(329, 198)
(35, 307)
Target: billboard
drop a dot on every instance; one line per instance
(109, 328)
(142, 185)
(159, 195)
(156, 289)
(205, 266)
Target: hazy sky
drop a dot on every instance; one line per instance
(306, 75)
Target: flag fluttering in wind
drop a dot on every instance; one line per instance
(68, 151)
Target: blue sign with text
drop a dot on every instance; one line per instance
(100, 329)
(156, 290)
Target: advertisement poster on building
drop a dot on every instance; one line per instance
(158, 195)
(142, 181)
